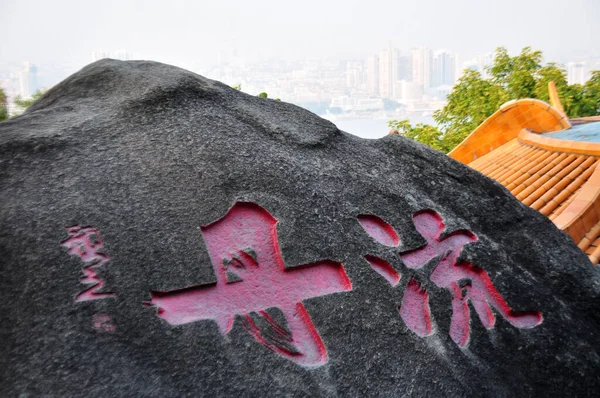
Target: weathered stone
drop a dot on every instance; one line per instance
(174, 289)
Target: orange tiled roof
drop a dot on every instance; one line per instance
(557, 177)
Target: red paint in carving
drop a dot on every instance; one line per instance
(461, 318)
(103, 323)
(92, 293)
(448, 274)
(379, 230)
(276, 327)
(247, 233)
(414, 310)
(85, 243)
(384, 269)
(256, 332)
(303, 330)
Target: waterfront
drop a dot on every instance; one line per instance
(374, 128)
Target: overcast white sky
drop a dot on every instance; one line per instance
(192, 32)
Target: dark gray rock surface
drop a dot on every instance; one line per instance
(147, 153)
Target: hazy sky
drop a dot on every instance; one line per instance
(192, 32)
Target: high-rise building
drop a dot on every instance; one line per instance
(28, 82)
(480, 63)
(457, 67)
(404, 67)
(409, 91)
(443, 71)
(421, 66)
(98, 55)
(373, 75)
(577, 73)
(388, 72)
(354, 74)
(121, 55)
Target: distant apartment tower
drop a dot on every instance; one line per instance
(123, 55)
(410, 91)
(443, 72)
(354, 74)
(120, 55)
(480, 63)
(28, 82)
(98, 55)
(388, 72)
(421, 66)
(373, 75)
(404, 67)
(577, 73)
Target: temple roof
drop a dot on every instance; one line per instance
(546, 161)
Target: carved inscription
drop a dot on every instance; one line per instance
(466, 282)
(251, 278)
(85, 243)
(253, 282)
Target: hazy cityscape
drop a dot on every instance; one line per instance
(360, 91)
(359, 95)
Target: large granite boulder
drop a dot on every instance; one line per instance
(162, 234)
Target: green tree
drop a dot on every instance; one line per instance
(423, 133)
(586, 101)
(3, 106)
(472, 100)
(26, 103)
(577, 100)
(263, 95)
(551, 72)
(518, 74)
(475, 98)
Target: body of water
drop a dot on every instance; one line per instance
(374, 128)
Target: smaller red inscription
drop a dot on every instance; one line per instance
(85, 243)
(103, 323)
(92, 292)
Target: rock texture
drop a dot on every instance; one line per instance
(147, 215)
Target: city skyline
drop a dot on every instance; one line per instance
(442, 67)
(327, 57)
(417, 80)
(188, 34)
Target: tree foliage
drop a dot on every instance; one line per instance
(516, 75)
(584, 100)
(26, 103)
(474, 98)
(260, 95)
(423, 133)
(3, 106)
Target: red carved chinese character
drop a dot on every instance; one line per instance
(103, 323)
(414, 310)
(465, 281)
(251, 278)
(85, 243)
